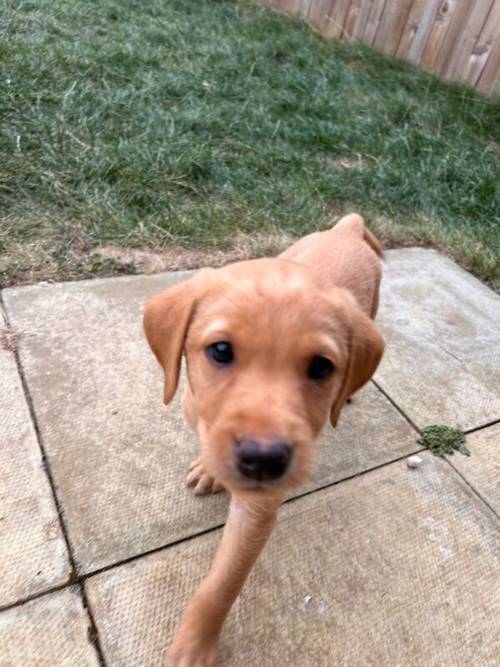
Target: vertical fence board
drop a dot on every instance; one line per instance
(363, 19)
(292, 7)
(308, 7)
(483, 54)
(489, 80)
(489, 83)
(466, 39)
(452, 43)
(319, 12)
(335, 21)
(417, 29)
(374, 18)
(391, 25)
(437, 37)
(356, 17)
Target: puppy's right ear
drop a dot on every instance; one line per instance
(166, 321)
(366, 347)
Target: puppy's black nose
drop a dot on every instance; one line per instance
(262, 461)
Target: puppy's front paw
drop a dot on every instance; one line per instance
(199, 478)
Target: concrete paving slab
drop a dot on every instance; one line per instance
(116, 453)
(370, 432)
(395, 567)
(442, 329)
(51, 631)
(482, 468)
(118, 456)
(32, 549)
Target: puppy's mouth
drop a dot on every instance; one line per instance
(261, 486)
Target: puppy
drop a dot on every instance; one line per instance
(273, 348)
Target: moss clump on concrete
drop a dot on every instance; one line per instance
(443, 440)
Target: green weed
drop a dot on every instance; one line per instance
(442, 440)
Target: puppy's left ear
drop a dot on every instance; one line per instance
(166, 322)
(366, 347)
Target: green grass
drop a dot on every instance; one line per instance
(208, 124)
(442, 440)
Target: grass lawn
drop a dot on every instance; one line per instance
(214, 129)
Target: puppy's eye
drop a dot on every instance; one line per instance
(320, 368)
(221, 353)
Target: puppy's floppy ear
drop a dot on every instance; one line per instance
(166, 321)
(366, 347)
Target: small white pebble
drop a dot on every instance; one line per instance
(414, 461)
(308, 599)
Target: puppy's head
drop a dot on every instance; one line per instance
(269, 356)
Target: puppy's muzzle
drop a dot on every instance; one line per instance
(262, 461)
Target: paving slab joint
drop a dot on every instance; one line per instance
(73, 577)
(92, 632)
(472, 488)
(35, 596)
(482, 427)
(395, 406)
(403, 457)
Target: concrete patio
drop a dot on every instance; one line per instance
(372, 563)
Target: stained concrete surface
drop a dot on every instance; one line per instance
(396, 566)
(52, 631)
(117, 455)
(442, 362)
(32, 550)
(482, 468)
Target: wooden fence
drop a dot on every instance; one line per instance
(458, 40)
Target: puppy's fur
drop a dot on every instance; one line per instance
(318, 298)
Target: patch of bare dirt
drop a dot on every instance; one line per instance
(176, 258)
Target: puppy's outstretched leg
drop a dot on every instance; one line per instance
(247, 530)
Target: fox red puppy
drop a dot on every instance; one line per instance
(274, 348)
